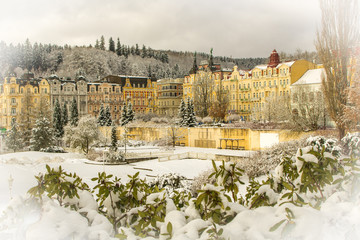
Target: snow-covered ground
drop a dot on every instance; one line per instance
(338, 217)
(17, 170)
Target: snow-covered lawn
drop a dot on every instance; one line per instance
(337, 218)
(23, 166)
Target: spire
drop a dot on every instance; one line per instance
(274, 59)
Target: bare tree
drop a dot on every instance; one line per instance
(203, 90)
(335, 41)
(219, 106)
(308, 111)
(352, 110)
(275, 109)
(175, 133)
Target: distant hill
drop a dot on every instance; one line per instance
(96, 62)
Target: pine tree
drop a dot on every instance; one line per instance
(143, 52)
(42, 134)
(124, 119)
(57, 120)
(191, 119)
(108, 121)
(102, 43)
(13, 137)
(182, 113)
(74, 113)
(97, 45)
(113, 138)
(101, 118)
(137, 50)
(111, 45)
(130, 114)
(118, 48)
(65, 114)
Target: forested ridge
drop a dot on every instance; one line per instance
(104, 58)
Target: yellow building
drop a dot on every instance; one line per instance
(250, 91)
(113, 91)
(22, 96)
(168, 96)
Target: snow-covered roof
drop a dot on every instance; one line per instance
(289, 64)
(313, 76)
(262, 67)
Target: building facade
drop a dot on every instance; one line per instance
(23, 99)
(65, 90)
(250, 91)
(114, 91)
(168, 96)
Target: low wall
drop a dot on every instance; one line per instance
(209, 137)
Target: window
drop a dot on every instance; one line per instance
(13, 100)
(12, 90)
(13, 110)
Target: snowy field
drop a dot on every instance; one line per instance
(23, 166)
(338, 217)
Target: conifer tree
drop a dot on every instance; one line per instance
(118, 48)
(65, 114)
(74, 113)
(57, 120)
(42, 134)
(97, 45)
(113, 138)
(111, 45)
(101, 118)
(137, 50)
(143, 52)
(182, 113)
(130, 114)
(108, 121)
(102, 43)
(191, 119)
(13, 137)
(123, 120)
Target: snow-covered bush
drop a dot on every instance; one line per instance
(330, 144)
(171, 182)
(207, 120)
(146, 117)
(352, 144)
(198, 119)
(115, 156)
(53, 149)
(233, 118)
(264, 161)
(200, 180)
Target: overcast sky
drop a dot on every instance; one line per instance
(237, 28)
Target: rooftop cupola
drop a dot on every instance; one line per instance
(274, 59)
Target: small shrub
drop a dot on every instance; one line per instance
(53, 149)
(207, 120)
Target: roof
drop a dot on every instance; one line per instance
(121, 80)
(262, 67)
(289, 64)
(313, 76)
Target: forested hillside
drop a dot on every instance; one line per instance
(106, 58)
